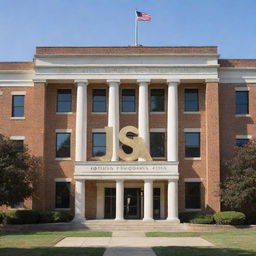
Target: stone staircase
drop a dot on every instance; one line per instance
(130, 225)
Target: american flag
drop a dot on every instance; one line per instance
(143, 16)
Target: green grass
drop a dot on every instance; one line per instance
(19, 243)
(226, 243)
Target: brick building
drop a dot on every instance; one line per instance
(190, 107)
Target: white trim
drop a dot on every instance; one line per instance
(63, 130)
(64, 113)
(17, 137)
(192, 158)
(158, 130)
(193, 179)
(128, 113)
(62, 179)
(17, 117)
(157, 112)
(242, 89)
(193, 210)
(244, 137)
(99, 113)
(39, 80)
(242, 115)
(21, 93)
(192, 129)
(63, 158)
(192, 112)
(95, 130)
(212, 80)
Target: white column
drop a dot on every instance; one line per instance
(119, 200)
(79, 201)
(81, 120)
(148, 200)
(172, 121)
(172, 195)
(113, 114)
(143, 118)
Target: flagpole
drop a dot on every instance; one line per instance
(136, 29)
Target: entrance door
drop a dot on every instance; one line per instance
(132, 203)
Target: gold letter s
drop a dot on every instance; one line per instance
(139, 149)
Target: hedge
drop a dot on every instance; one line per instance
(229, 218)
(2, 217)
(196, 217)
(33, 217)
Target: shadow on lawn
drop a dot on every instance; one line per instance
(52, 251)
(200, 251)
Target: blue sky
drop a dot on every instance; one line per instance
(25, 24)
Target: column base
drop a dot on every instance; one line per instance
(148, 219)
(119, 219)
(78, 220)
(173, 220)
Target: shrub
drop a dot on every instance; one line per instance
(229, 218)
(196, 217)
(62, 217)
(46, 217)
(2, 217)
(51, 216)
(22, 217)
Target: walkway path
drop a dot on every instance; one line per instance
(135, 243)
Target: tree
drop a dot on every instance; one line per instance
(19, 172)
(239, 187)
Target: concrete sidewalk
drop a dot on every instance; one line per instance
(130, 243)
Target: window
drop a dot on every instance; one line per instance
(191, 100)
(128, 100)
(241, 142)
(157, 100)
(62, 196)
(242, 106)
(18, 205)
(19, 145)
(18, 105)
(110, 203)
(62, 145)
(192, 195)
(98, 144)
(157, 144)
(99, 100)
(64, 100)
(192, 144)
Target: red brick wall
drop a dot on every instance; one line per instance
(37, 131)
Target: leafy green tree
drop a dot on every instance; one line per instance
(239, 187)
(19, 172)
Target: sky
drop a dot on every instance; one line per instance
(228, 24)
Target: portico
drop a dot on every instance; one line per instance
(119, 171)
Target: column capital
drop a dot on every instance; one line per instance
(173, 81)
(81, 81)
(143, 81)
(113, 81)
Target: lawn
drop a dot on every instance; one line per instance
(227, 243)
(17, 243)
